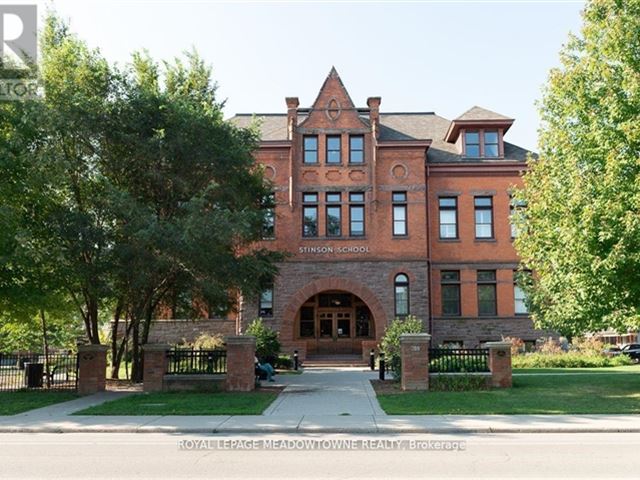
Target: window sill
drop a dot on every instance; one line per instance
(449, 240)
(400, 237)
(485, 240)
(342, 238)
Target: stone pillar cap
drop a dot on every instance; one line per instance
(240, 339)
(498, 344)
(415, 337)
(93, 347)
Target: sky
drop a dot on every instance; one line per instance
(418, 56)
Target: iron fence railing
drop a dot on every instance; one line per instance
(458, 360)
(196, 362)
(37, 371)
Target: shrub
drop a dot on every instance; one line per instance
(591, 345)
(568, 360)
(517, 345)
(549, 346)
(267, 342)
(209, 342)
(390, 343)
(458, 383)
(283, 362)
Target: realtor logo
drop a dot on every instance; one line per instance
(18, 31)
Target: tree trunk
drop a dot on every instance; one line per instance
(136, 361)
(115, 358)
(45, 344)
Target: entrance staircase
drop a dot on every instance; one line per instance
(324, 361)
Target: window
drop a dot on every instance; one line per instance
(310, 215)
(307, 322)
(401, 295)
(356, 214)
(310, 149)
(363, 321)
(484, 217)
(487, 292)
(448, 217)
(269, 219)
(450, 287)
(399, 213)
(266, 303)
(334, 215)
(356, 149)
(516, 208)
(452, 344)
(491, 144)
(472, 144)
(520, 298)
(333, 149)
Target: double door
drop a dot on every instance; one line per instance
(335, 331)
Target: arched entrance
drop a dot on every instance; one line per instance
(333, 316)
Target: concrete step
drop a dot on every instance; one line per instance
(323, 361)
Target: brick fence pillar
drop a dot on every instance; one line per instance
(241, 354)
(92, 366)
(414, 351)
(500, 364)
(155, 363)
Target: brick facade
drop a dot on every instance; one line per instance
(391, 169)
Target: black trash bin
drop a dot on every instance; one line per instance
(33, 373)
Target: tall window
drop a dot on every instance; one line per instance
(491, 143)
(356, 214)
(487, 292)
(519, 296)
(334, 215)
(266, 303)
(310, 149)
(448, 217)
(269, 220)
(450, 287)
(472, 144)
(356, 149)
(309, 214)
(516, 208)
(333, 149)
(307, 322)
(399, 213)
(401, 291)
(484, 217)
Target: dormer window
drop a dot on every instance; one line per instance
(472, 144)
(491, 143)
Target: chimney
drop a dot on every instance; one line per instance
(292, 114)
(374, 112)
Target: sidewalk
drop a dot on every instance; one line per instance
(338, 400)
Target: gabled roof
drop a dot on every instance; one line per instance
(394, 127)
(479, 113)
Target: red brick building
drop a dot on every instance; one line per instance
(384, 215)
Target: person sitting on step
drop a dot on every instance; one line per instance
(267, 368)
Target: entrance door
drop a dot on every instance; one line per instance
(335, 331)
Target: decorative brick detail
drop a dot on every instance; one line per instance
(241, 353)
(155, 366)
(414, 351)
(500, 364)
(92, 363)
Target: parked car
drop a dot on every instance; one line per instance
(632, 350)
(612, 351)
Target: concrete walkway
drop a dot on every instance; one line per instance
(332, 400)
(327, 391)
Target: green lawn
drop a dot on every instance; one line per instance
(12, 403)
(222, 403)
(544, 394)
(621, 369)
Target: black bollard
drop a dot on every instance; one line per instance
(381, 367)
(295, 359)
(372, 359)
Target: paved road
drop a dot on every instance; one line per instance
(158, 456)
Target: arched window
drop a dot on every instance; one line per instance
(401, 295)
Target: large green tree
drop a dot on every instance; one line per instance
(580, 232)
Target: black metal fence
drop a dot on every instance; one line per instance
(458, 360)
(35, 371)
(196, 362)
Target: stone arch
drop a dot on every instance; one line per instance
(332, 283)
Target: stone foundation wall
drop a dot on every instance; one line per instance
(174, 332)
(472, 331)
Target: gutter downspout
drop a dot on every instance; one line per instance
(429, 268)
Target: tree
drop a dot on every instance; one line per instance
(580, 232)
